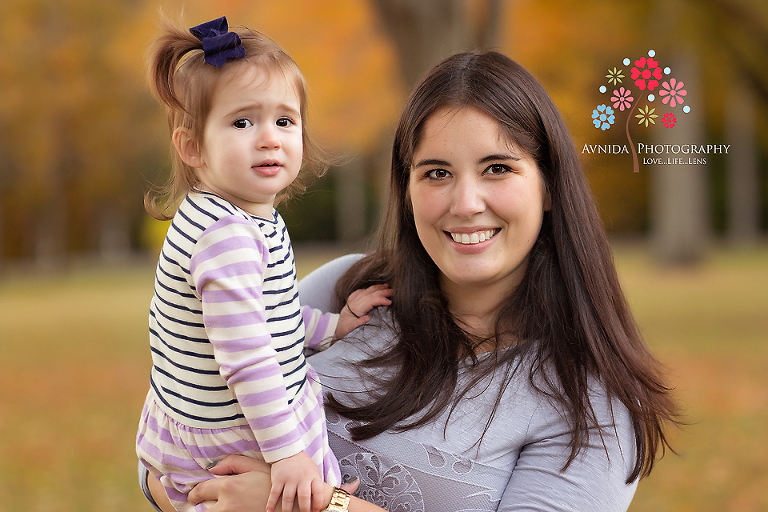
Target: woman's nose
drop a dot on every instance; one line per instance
(467, 199)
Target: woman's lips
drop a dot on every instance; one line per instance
(474, 237)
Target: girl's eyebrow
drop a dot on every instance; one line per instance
(250, 107)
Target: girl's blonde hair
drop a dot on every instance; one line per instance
(183, 82)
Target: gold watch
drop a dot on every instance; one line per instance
(339, 501)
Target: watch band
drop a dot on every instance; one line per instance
(339, 501)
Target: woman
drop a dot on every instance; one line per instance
(508, 374)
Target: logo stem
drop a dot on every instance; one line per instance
(635, 162)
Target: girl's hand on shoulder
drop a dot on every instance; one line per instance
(359, 304)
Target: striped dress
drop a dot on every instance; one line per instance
(227, 336)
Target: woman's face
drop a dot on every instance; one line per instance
(477, 200)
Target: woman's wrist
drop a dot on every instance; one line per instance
(336, 501)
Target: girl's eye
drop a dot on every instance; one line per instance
(242, 123)
(437, 174)
(284, 122)
(497, 169)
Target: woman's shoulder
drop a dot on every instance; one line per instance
(317, 289)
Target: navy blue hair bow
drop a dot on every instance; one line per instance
(219, 44)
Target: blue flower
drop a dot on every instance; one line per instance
(602, 117)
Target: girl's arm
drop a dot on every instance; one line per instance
(227, 267)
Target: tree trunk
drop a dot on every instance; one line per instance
(680, 217)
(742, 180)
(350, 200)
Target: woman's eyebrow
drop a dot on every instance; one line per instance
(431, 161)
(497, 157)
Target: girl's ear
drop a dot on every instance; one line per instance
(187, 148)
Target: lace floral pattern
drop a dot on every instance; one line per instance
(392, 488)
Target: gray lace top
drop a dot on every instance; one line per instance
(441, 468)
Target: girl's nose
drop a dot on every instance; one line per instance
(268, 138)
(467, 199)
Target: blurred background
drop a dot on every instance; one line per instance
(81, 140)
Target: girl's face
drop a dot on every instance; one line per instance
(477, 201)
(252, 141)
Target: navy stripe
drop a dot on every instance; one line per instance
(173, 262)
(181, 322)
(193, 416)
(284, 303)
(178, 230)
(183, 367)
(179, 249)
(177, 306)
(287, 317)
(198, 226)
(174, 334)
(202, 210)
(190, 384)
(175, 292)
(189, 353)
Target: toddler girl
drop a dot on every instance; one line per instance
(227, 333)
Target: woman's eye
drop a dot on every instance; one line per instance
(242, 123)
(284, 122)
(497, 169)
(437, 174)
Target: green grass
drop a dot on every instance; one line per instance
(75, 364)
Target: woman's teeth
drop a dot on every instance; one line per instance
(473, 238)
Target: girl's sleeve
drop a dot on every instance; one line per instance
(595, 480)
(319, 328)
(316, 293)
(227, 268)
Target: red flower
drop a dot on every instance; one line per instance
(646, 77)
(669, 120)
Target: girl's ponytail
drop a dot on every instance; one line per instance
(165, 55)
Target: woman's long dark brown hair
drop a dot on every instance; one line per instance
(568, 318)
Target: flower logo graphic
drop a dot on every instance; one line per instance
(602, 117)
(673, 92)
(621, 99)
(647, 116)
(648, 80)
(646, 77)
(614, 76)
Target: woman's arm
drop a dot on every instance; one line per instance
(595, 479)
(157, 491)
(244, 487)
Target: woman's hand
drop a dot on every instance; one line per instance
(244, 486)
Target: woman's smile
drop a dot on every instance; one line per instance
(473, 237)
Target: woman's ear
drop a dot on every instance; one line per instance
(187, 148)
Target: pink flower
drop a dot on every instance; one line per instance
(673, 92)
(646, 77)
(622, 99)
(669, 119)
